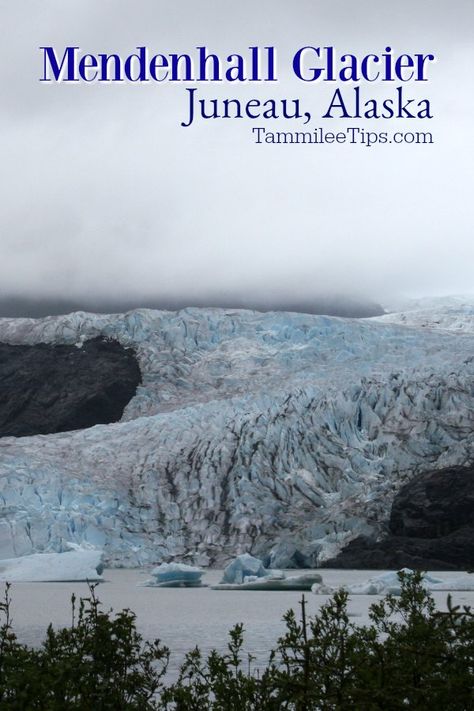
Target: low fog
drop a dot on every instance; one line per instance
(106, 199)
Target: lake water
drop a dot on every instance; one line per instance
(182, 618)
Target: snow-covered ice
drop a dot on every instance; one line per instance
(453, 313)
(266, 432)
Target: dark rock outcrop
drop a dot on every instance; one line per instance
(431, 527)
(47, 388)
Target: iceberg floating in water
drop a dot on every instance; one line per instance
(71, 566)
(304, 582)
(248, 573)
(465, 583)
(390, 583)
(175, 575)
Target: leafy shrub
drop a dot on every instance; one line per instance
(100, 662)
(410, 656)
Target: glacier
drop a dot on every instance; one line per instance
(452, 313)
(284, 435)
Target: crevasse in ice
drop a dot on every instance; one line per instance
(250, 432)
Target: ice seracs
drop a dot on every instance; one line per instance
(78, 564)
(281, 433)
(452, 313)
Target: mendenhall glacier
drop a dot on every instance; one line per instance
(284, 435)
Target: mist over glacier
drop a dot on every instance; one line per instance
(124, 203)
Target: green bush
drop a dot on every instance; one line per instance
(100, 662)
(410, 656)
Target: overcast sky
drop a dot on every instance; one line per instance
(104, 195)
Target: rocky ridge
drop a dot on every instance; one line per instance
(47, 388)
(431, 527)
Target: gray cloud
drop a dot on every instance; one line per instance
(104, 194)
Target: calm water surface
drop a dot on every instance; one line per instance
(182, 618)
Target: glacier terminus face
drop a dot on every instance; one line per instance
(283, 435)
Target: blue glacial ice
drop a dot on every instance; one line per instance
(175, 575)
(282, 434)
(246, 572)
(239, 569)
